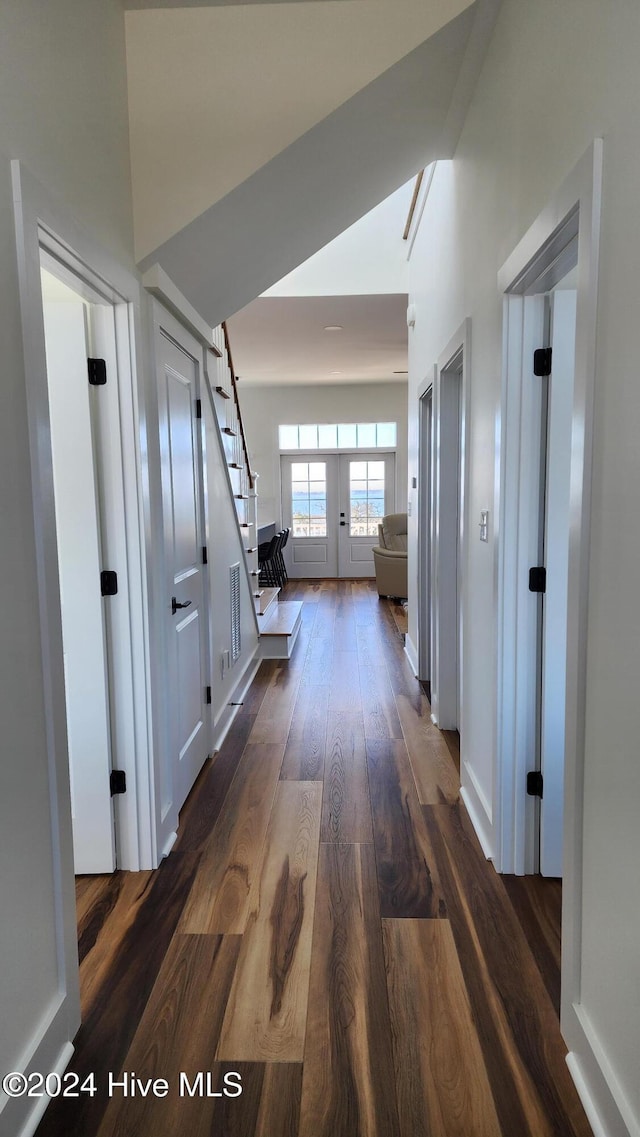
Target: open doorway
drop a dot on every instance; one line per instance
(71, 330)
(442, 532)
(425, 513)
(535, 528)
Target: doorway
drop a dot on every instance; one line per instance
(333, 504)
(441, 526)
(563, 239)
(71, 330)
(425, 511)
(548, 395)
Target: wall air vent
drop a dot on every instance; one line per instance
(236, 644)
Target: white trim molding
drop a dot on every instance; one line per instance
(445, 696)
(577, 199)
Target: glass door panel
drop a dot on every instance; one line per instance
(367, 493)
(309, 509)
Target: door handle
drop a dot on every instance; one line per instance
(343, 523)
(175, 605)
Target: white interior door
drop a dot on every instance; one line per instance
(310, 509)
(184, 600)
(79, 561)
(446, 579)
(556, 560)
(425, 484)
(367, 493)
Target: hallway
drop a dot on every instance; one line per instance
(327, 926)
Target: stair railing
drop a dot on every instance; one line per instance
(234, 388)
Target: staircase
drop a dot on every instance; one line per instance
(278, 621)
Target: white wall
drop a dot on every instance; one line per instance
(265, 408)
(231, 109)
(555, 77)
(63, 98)
(369, 257)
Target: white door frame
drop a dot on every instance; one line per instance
(577, 203)
(425, 528)
(43, 225)
(447, 574)
(41, 221)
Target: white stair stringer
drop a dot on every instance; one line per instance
(225, 545)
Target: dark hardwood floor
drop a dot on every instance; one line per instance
(326, 927)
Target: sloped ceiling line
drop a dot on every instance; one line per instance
(327, 179)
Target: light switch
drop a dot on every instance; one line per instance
(484, 524)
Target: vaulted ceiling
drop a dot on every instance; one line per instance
(261, 131)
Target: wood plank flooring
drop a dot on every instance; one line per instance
(326, 928)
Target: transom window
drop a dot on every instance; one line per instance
(309, 499)
(338, 436)
(366, 497)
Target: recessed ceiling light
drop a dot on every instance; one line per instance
(333, 328)
(336, 373)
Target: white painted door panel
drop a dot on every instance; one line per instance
(184, 601)
(554, 643)
(79, 560)
(309, 509)
(367, 493)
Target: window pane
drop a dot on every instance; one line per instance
(347, 435)
(309, 499)
(308, 437)
(366, 435)
(386, 434)
(366, 497)
(288, 436)
(328, 436)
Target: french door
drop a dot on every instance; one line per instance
(333, 504)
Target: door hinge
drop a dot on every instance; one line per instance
(208, 696)
(542, 361)
(118, 782)
(108, 583)
(534, 783)
(198, 408)
(205, 555)
(97, 372)
(538, 579)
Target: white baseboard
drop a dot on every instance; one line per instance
(477, 810)
(229, 711)
(50, 1052)
(608, 1110)
(411, 653)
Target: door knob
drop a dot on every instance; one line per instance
(175, 605)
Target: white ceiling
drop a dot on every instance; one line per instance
(281, 340)
(215, 93)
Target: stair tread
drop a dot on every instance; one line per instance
(268, 596)
(283, 619)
